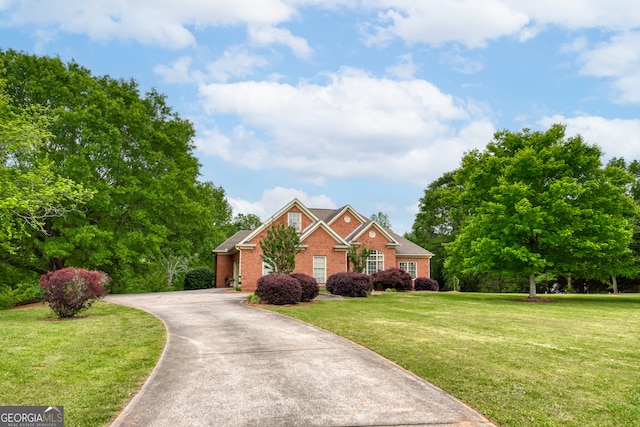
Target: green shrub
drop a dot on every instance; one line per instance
(278, 289)
(310, 288)
(71, 290)
(425, 284)
(350, 284)
(253, 299)
(199, 278)
(391, 278)
(20, 294)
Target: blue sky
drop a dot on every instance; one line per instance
(359, 102)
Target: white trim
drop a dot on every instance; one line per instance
(324, 226)
(391, 241)
(352, 212)
(272, 218)
(323, 267)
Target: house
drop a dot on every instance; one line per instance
(325, 237)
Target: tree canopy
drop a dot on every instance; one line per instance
(130, 152)
(437, 221)
(382, 219)
(538, 203)
(31, 193)
(280, 247)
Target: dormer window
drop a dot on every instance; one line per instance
(295, 220)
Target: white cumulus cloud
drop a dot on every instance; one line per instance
(354, 125)
(165, 23)
(616, 137)
(618, 60)
(274, 199)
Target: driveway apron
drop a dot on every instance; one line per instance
(227, 364)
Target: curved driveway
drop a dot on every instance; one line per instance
(226, 364)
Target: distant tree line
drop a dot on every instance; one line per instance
(94, 174)
(536, 212)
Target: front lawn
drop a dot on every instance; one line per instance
(90, 365)
(571, 362)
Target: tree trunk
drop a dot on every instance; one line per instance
(532, 286)
(614, 281)
(569, 283)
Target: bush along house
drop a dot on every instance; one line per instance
(325, 237)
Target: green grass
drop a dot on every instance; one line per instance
(572, 362)
(91, 365)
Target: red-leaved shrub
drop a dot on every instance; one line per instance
(425, 284)
(391, 278)
(310, 288)
(278, 289)
(350, 284)
(71, 289)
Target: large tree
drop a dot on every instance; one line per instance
(539, 203)
(31, 193)
(437, 221)
(134, 153)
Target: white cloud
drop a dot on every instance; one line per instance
(461, 63)
(269, 35)
(616, 137)
(235, 62)
(579, 44)
(473, 23)
(469, 22)
(404, 69)
(178, 72)
(619, 60)
(354, 125)
(162, 23)
(435, 22)
(613, 15)
(274, 199)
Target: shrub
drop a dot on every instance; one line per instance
(350, 284)
(278, 289)
(199, 278)
(310, 288)
(20, 294)
(391, 278)
(424, 284)
(253, 298)
(71, 290)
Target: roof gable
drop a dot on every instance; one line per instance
(329, 230)
(285, 209)
(338, 213)
(359, 232)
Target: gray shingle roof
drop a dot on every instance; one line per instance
(405, 247)
(232, 241)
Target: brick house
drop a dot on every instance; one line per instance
(325, 237)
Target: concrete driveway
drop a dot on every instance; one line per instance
(226, 364)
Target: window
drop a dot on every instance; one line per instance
(295, 220)
(375, 262)
(320, 268)
(266, 269)
(410, 267)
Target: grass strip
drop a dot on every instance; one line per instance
(92, 365)
(570, 362)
